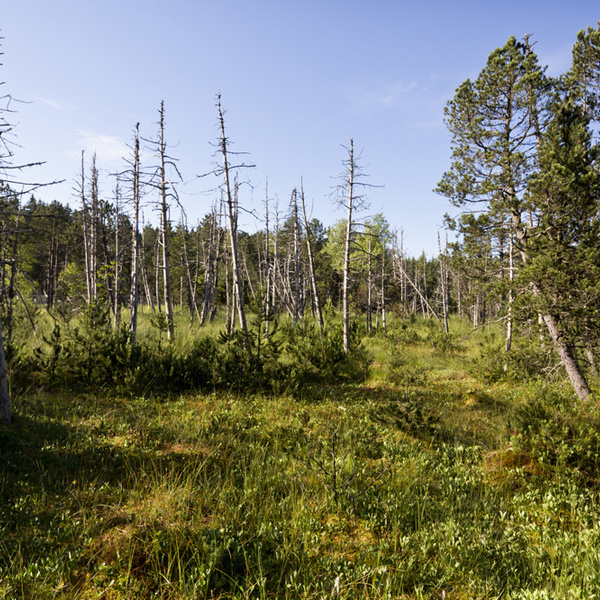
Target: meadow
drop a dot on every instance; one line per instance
(439, 470)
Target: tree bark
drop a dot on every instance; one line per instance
(311, 264)
(232, 217)
(164, 222)
(117, 306)
(135, 245)
(568, 360)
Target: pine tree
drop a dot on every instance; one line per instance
(522, 158)
(563, 258)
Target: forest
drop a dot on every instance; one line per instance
(190, 410)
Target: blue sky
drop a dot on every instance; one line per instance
(298, 79)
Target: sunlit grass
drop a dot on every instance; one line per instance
(422, 482)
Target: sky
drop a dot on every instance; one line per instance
(298, 80)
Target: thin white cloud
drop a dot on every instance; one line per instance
(108, 148)
(51, 103)
(54, 104)
(387, 96)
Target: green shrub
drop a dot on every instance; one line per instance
(528, 359)
(317, 357)
(559, 433)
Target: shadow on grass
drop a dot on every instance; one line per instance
(60, 489)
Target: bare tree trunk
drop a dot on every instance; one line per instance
(52, 273)
(157, 268)
(218, 259)
(117, 306)
(369, 283)
(93, 236)
(267, 289)
(144, 271)
(296, 258)
(311, 263)
(383, 316)
(443, 285)
(347, 247)
(164, 224)
(134, 293)
(210, 260)
(86, 239)
(191, 282)
(276, 266)
(232, 216)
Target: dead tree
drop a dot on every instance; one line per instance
(231, 204)
(135, 243)
(117, 274)
(444, 283)
(352, 201)
(166, 192)
(86, 230)
(311, 262)
(267, 280)
(296, 311)
(369, 280)
(192, 281)
(93, 234)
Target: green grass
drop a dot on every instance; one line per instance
(426, 481)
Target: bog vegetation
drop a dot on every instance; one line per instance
(306, 411)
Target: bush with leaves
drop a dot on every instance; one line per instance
(529, 358)
(559, 434)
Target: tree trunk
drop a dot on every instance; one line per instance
(347, 248)
(135, 245)
(369, 283)
(164, 225)
(85, 226)
(296, 258)
(267, 287)
(232, 217)
(5, 416)
(383, 315)
(117, 290)
(93, 235)
(511, 277)
(311, 264)
(568, 360)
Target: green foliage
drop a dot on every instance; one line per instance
(559, 434)
(250, 360)
(89, 354)
(317, 357)
(529, 358)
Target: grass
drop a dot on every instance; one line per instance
(426, 481)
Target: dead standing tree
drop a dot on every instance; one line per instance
(349, 198)
(166, 191)
(311, 261)
(226, 170)
(135, 225)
